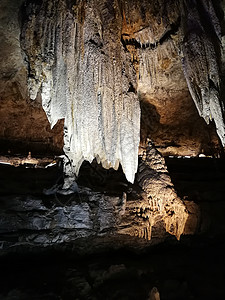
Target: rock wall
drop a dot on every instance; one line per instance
(24, 126)
(113, 209)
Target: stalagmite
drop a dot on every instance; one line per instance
(164, 204)
(76, 59)
(159, 208)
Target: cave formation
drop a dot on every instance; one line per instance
(122, 79)
(112, 137)
(78, 57)
(96, 97)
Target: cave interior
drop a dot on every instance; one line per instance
(112, 137)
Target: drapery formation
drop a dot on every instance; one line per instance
(76, 58)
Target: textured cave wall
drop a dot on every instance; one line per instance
(169, 116)
(124, 214)
(24, 126)
(91, 63)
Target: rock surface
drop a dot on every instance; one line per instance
(24, 126)
(201, 60)
(188, 269)
(95, 64)
(151, 208)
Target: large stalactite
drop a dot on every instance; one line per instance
(200, 47)
(75, 56)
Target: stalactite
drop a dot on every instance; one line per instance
(201, 59)
(157, 69)
(76, 58)
(148, 33)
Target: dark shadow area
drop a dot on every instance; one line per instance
(150, 120)
(190, 269)
(108, 181)
(28, 179)
(23, 147)
(202, 180)
(24, 180)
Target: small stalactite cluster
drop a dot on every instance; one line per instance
(201, 49)
(146, 33)
(145, 22)
(154, 65)
(76, 59)
(160, 31)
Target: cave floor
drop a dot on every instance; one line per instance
(192, 268)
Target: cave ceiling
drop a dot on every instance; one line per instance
(166, 55)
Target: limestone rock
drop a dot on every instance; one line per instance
(201, 60)
(164, 204)
(152, 34)
(85, 77)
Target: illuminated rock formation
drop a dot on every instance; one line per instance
(75, 56)
(153, 33)
(154, 179)
(93, 64)
(83, 58)
(201, 60)
(91, 60)
(159, 206)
